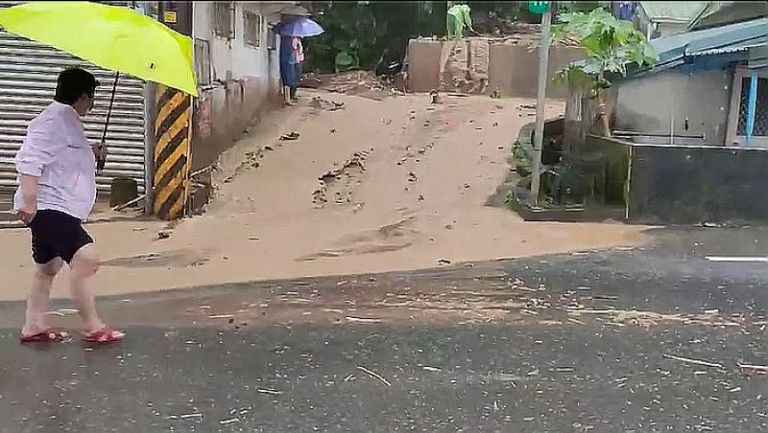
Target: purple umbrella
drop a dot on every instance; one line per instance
(301, 28)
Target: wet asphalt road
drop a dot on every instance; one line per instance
(465, 349)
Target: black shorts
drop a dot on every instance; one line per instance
(57, 235)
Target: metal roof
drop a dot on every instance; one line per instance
(684, 47)
(727, 41)
(736, 48)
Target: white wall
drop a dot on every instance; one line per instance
(233, 59)
(650, 103)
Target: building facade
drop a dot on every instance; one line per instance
(237, 65)
(238, 69)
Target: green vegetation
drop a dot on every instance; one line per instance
(610, 46)
(358, 35)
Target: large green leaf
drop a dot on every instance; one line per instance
(608, 44)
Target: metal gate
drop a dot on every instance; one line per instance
(28, 73)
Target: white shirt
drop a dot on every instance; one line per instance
(57, 152)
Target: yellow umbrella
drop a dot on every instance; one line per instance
(112, 37)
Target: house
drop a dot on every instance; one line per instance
(690, 133)
(718, 14)
(238, 70)
(661, 19)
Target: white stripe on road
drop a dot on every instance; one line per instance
(737, 259)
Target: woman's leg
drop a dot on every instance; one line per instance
(84, 265)
(37, 302)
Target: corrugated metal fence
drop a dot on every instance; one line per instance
(28, 73)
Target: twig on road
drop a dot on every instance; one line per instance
(694, 361)
(268, 391)
(374, 375)
(761, 368)
(229, 421)
(362, 319)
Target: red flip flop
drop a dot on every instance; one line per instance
(104, 335)
(47, 336)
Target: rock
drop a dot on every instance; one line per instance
(290, 136)
(163, 234)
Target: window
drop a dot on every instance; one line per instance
(224, 19)
(737, 118)
(203, 62)
(761, 113)
(252, 29)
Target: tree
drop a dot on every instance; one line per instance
(609, 45)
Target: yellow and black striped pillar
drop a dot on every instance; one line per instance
(173, 133)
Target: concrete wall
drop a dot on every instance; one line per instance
(424, 56)
(648, 104)
(694, 184)
(669, 29)
(514, 70)
(682, 184)
(244, 82)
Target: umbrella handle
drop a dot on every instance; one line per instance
(102, 162)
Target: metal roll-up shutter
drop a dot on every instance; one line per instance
(28, 73)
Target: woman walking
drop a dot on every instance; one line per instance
(290, 66)
(298, 52)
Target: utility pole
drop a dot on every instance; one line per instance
(541, 98)
(171, 186)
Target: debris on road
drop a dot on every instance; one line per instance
(362, 320)
(694, 361)
(187, 416)
(229, 421)
(341, 180)
(754, 368)
(291, 136)
(268, 391)
(374, 375)
(324, 104)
